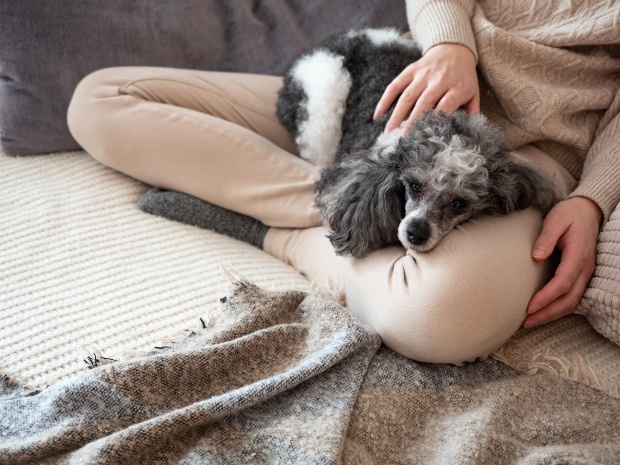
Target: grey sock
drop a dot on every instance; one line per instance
(191, 210)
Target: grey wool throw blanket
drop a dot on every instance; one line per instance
(293, 378)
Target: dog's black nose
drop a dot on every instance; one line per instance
(418, 232)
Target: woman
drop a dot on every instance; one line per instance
(548, 79)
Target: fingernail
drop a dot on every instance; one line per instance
(533, 309)
(387, 129)
(376, 114)
(530, 323)
(539, 251)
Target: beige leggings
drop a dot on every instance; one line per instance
(215, 136)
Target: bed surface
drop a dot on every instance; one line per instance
(83, 268)
(88, 280)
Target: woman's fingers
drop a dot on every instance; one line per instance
(563, 282)
(404, 106)
(572, 226)
(393, 90)
(427, 101)
(473, 106)
(455, 99)
(564, 305)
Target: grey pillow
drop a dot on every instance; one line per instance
(49, 46)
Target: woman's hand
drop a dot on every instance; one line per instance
(444, 78)
(573, 226)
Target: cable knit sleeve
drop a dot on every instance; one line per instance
(434, 22)
(600, 179)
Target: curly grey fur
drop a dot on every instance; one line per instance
(411, 188)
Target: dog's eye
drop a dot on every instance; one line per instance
(415, 187)
(458, 204)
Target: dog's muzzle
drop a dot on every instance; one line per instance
(418, 232)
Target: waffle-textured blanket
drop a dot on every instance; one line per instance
(291, 377)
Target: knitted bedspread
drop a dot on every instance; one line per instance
(290, 377)
(81, 266)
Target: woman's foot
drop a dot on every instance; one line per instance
(191, 210)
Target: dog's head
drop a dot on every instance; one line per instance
(415, 188)
(456, 167)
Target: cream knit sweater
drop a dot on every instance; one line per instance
(549, 75)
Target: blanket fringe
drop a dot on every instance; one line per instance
(331, 291)
(94, 357)
(574, 368)
(235, 279)
(16, 378)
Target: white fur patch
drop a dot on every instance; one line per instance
(386, 143)
(326, 83)
(384, 36)
(459, 163)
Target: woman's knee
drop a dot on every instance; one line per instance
(93, 111)
(465, 298)
(85, 100)
(455, 323)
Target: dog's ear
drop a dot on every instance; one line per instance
(516, 186)
(363, 202)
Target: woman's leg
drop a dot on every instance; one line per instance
(456, 303)
(215, 136)
(212, 135)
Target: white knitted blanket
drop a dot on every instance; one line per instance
(81, 266)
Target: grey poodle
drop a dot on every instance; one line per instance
(379, 189)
